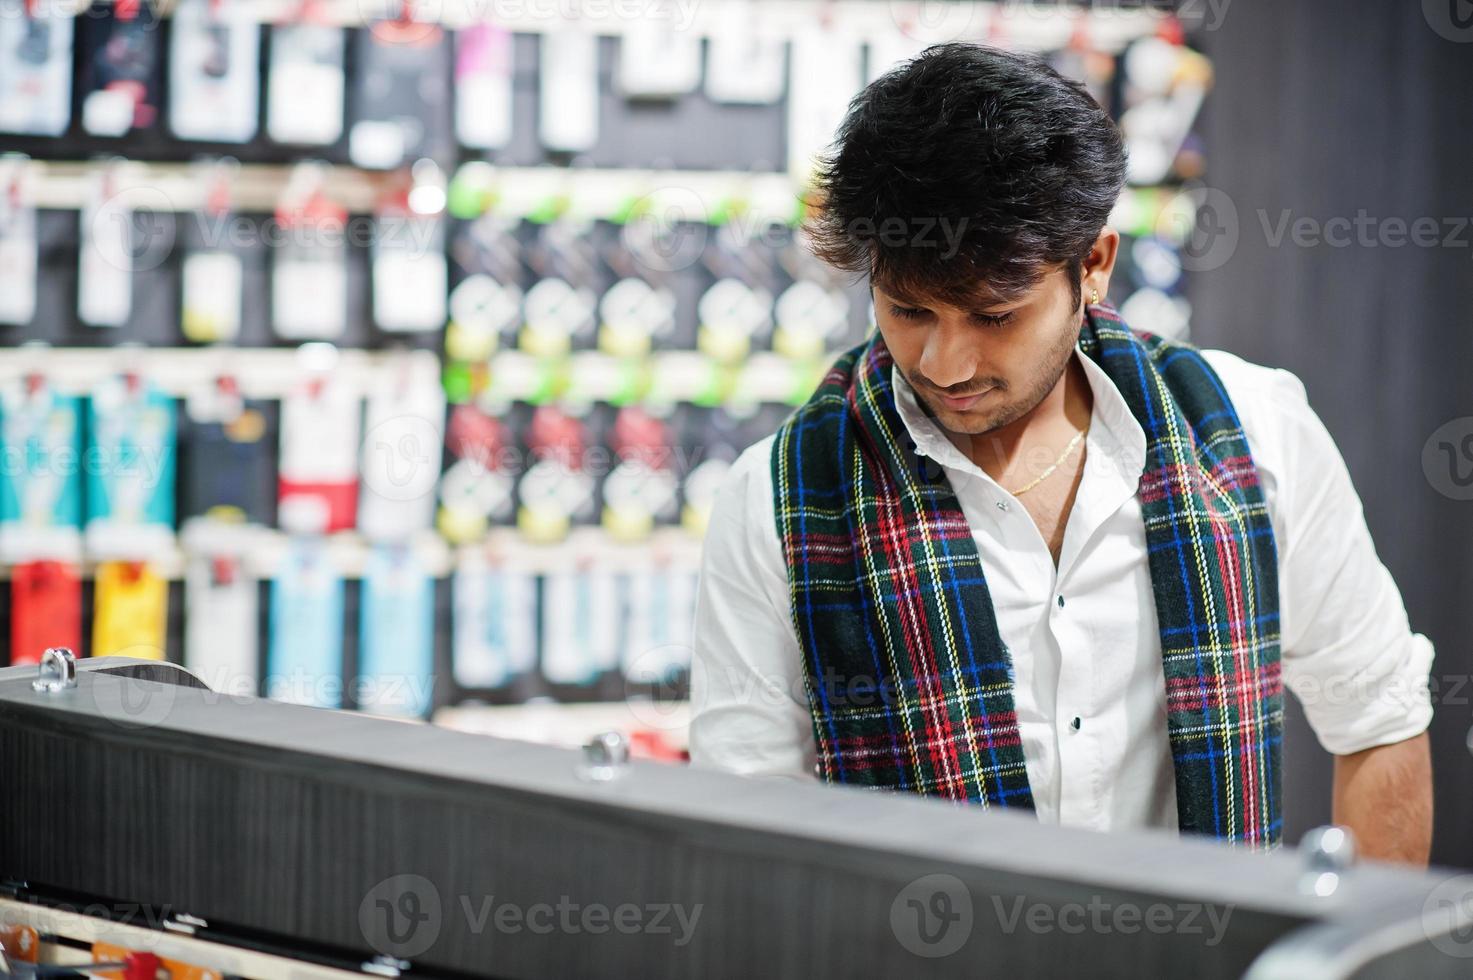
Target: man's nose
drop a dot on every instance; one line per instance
(949, 357)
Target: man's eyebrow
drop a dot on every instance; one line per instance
(993, 302)
(1002, 297)
(981, 301)
(897, 293)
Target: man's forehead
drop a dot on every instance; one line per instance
(984, 295)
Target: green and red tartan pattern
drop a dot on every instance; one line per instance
(909, 684)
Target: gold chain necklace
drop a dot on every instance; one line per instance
(1049, 472)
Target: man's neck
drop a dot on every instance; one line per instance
(1063, 412)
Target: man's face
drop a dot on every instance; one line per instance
(979, 368)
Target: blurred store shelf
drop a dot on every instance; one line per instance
(691, 195)
(264, 549)
(668, 376)
(1027, 25)
(645, 723)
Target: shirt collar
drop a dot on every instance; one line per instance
(1113, 429)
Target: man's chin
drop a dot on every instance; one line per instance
(967, 422)
(970, 424)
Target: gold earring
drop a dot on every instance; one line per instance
(1094, 297)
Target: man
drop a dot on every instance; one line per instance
(1015, 554)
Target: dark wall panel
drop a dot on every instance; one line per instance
(1361, 111)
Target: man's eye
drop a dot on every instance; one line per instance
(994, 320)
(907, 312)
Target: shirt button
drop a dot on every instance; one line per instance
(1061, 602)
(1002, 505)
(1075, 723)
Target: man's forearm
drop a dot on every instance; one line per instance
(1384, 795)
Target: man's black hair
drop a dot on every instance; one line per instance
(964, 132)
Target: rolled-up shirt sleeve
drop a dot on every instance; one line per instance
(749, 708)
(1349, 654)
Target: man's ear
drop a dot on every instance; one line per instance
(1100, 262)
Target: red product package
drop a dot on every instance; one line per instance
(45, 609)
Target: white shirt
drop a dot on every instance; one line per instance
(1347, 651)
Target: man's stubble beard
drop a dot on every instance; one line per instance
(1058, 363)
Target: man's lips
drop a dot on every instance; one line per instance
(963, 402)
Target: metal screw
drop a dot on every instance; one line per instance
(57, 671)
(605, 756)
(386, 966)
(1327, 853)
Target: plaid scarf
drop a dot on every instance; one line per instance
(909, 684)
